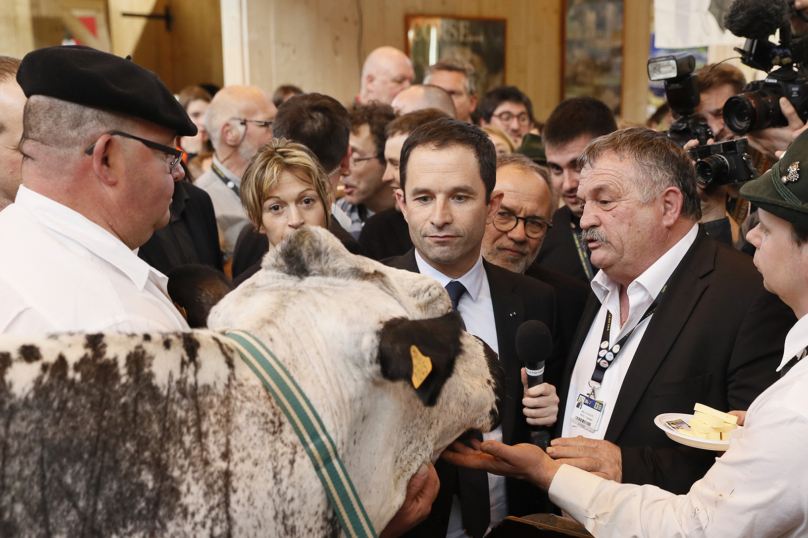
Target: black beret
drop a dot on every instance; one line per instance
(97, 79)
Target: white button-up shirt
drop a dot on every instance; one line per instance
(61, 272)
(758, 488)
(641, 293)
(477, 310)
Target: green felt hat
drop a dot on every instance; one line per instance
(783, 190)
(533, 148)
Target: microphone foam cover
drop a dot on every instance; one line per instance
(757, 19)
(533, 341)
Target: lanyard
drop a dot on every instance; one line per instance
(583, 256)
(608, 353)
(229, 183)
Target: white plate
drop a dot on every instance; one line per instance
(704, 444)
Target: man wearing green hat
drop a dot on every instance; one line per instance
(757, 488)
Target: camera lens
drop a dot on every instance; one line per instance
(712, 169)
(752, 111)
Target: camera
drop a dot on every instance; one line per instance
(682, 93)
(724, 163)
(758, 107)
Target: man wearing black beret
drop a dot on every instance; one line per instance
(99, 165)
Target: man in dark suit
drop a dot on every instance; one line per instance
(678, 318)
(515, 237)
(571, 126)
(448, 172)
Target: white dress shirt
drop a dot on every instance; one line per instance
(61, 272)
(477, 310)
(641, 293)
(756, 489)
(230, 214)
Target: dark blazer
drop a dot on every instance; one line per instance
(716, 338)
(571, 298)
(516, 298)
(192, 207)
(558, 251)
(386, 234)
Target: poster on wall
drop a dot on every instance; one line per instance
(481, 42)
(593, 63)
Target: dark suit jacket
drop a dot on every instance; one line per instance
(191, 206)
(716, 338)
(571, 299)
(251, 247)
(558, 251)
(386, 234)
(516, 298)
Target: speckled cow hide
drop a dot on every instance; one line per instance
(161, 435)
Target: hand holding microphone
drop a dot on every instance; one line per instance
(534, 345)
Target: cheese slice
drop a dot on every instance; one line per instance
(713, 422)
(731, 419)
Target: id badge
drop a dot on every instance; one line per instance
(587, 413)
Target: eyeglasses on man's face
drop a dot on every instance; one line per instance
(266, 124)
(174, 155)
(535, 227)
(362, 160)
(507, 117)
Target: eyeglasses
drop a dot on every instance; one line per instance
(535, 227)
(357, 162)
(267, 124)
(507, 117)
(174, 153)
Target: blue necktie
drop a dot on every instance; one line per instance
(456, 291)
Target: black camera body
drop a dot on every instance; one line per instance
(724, 163)
(682, 93)
(758, 107)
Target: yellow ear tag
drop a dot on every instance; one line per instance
(421, 366)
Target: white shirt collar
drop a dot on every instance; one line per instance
(230, 175)
(796, 341)
(62, 220)
(655, 276)
(472, 281)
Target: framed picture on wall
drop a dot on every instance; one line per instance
(480, 42)
(593, 45)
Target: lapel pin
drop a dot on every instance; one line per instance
(793, 173)
(512, 314)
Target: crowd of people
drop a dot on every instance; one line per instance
(125, 208)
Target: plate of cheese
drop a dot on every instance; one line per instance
(707, 428)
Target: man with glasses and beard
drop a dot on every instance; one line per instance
(238, 121)
(98, 172)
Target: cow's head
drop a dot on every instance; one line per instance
(385, 323)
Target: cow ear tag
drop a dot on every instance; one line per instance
(421, 366)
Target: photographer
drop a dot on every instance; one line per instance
(716, 84)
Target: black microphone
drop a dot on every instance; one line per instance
(758, 19)
(534, 345)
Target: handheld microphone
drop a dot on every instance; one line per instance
(534, 345)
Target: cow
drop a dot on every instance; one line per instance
(173, 435)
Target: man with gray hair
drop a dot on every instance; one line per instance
(676, 318)
(238, 121)
(421, 97)
(12, 102)
(386, 72)
(99, 165)
(458, 79)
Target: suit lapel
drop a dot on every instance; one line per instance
(509, 313)
(686, 286)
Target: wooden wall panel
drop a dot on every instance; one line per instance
(16, 28)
